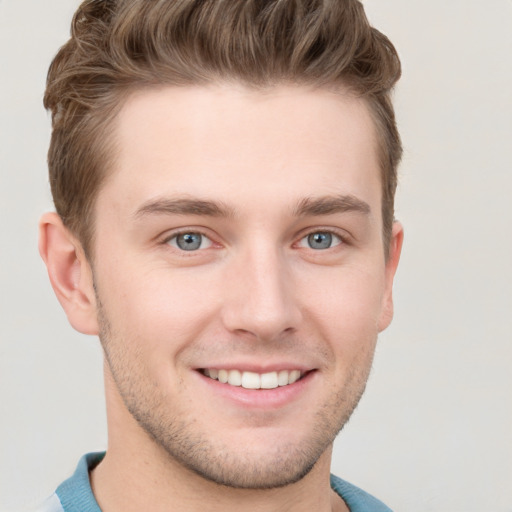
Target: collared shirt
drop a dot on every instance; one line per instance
(75, 493)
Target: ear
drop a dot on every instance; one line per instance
(395, 248)
(69, 272)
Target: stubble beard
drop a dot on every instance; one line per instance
(283, 464)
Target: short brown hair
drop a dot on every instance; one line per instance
(117, 46)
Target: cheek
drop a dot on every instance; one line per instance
(350, 295)
(346, 308)
(163, 309)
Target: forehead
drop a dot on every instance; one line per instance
(242, 146)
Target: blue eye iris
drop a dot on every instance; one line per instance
(320, 241)
(189, 241)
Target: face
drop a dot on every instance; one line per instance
(240, 275)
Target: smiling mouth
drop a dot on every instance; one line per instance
(252, 380)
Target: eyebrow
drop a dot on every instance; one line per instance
(328, 205)
(184, 206)
(309, 206)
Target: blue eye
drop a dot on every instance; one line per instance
(190, 241)
(320, 240)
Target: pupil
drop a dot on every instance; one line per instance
(320, 240)
(189, 241)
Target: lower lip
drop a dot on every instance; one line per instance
(260, 398)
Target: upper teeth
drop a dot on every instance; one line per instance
(251, 380)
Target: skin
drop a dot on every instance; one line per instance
(255, 173)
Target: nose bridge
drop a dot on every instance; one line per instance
(262, 300)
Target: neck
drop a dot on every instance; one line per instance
(130, 481)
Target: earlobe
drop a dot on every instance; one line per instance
(395, 249)
(69, 272)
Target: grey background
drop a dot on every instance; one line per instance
(434, 430)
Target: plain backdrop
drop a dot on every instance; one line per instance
(434, 430)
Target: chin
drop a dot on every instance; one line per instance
(282, 466)
(262, 459)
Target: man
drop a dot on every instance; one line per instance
(224, 176)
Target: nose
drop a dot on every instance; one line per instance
(260, 298)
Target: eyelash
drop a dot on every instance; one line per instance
(343, 238)
(194, 231)
(334, 234)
